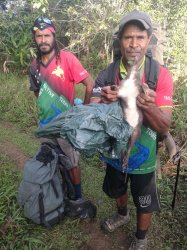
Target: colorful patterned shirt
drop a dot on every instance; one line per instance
(55, 83)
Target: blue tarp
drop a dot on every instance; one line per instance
(91, 128)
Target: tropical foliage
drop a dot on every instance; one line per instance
(85, 27)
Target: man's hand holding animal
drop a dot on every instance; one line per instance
(158, 119)
(146, 98)
(109, 94)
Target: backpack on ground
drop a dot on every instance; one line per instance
(41, 192)
(46, 192)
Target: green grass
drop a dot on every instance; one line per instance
(17, 102)
(168, 227)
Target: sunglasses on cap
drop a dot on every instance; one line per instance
(43, 20)
(42, 23)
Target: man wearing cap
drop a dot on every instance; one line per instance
(53, 75)
(135, 31)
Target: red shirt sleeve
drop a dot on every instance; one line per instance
(76, 70)
(164, 89)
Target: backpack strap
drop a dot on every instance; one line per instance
(41, 207)
(152, 69)
(112, 71)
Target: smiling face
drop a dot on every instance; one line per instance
(45, 41)
(134, 43)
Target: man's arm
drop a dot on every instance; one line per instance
(89, 84)
(159, 119)
(157, 106)
(33, 83)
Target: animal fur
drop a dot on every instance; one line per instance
(129, 89)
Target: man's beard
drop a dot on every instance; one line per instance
(46, 52)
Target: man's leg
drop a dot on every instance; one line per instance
(73, 166)
(121, 203)
(139, 240)
(78, 206)
(115, 187)
(145, 196)
(75, 176)
(143, 223)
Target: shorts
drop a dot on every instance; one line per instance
(143, 188)
(72, 154)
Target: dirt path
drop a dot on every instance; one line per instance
(14, 153)
(104, 241)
